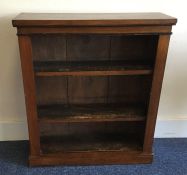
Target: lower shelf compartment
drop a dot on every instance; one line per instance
(91, 142)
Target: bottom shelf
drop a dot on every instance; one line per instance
(91, 142)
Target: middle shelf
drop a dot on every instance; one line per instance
(90, 112)
(91, 68)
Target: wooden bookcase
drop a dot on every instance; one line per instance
(92, 84)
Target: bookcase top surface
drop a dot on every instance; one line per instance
(92, 19)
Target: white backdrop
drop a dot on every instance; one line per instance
(173, 104)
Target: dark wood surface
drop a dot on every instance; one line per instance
(94, 68)
(92, 19)
(135, 30)
(91, 158)
(95, 73)
(94, 142)
(78, 111)
(92, 136)
(78, 55)
(30, 94)
(94, 47)
(60, 66)
(91, 128)
(161, 56)
(101, 89)
(93, 112)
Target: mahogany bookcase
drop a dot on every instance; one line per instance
(92, 85)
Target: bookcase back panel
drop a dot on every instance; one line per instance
(60, 129)
(129, 89)
(47, 47)
(88, 47)
(133, 47)
(85, 90)
(97, 89)
(92, 47)
(51, 90)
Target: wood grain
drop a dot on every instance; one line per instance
(93, 112)
(48, 47)
(91, 68)
(57, 86)
(30, 94)
(91, 158)
(161, 56)
(94, 142)
(87, 89)
(92, 19)
(135, 30)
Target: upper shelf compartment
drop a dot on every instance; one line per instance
(93, 55)
(88, 47)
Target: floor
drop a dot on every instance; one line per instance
(170, 159)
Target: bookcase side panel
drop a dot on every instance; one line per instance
(30, 95)
(158, 74)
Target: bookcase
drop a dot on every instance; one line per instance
(92, 84)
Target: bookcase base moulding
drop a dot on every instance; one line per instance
(92, 85)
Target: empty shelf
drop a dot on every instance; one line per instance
(94, 142)
(95, 112)
(90, 68)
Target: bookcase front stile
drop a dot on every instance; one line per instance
(161, 55)
(30, 93)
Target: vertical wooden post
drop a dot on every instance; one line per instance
(30, 96)
(159, 67)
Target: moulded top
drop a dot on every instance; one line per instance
(92, 19)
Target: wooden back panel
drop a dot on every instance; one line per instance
(87, 90)
(93, 47)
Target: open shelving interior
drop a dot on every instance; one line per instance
(100, 101)
(75, 86)
(116, 136)
(98, 98)
(93, 55)
(85, 142)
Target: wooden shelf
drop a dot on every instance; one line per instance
(94, 112)
(91, 68)
(129, 142)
